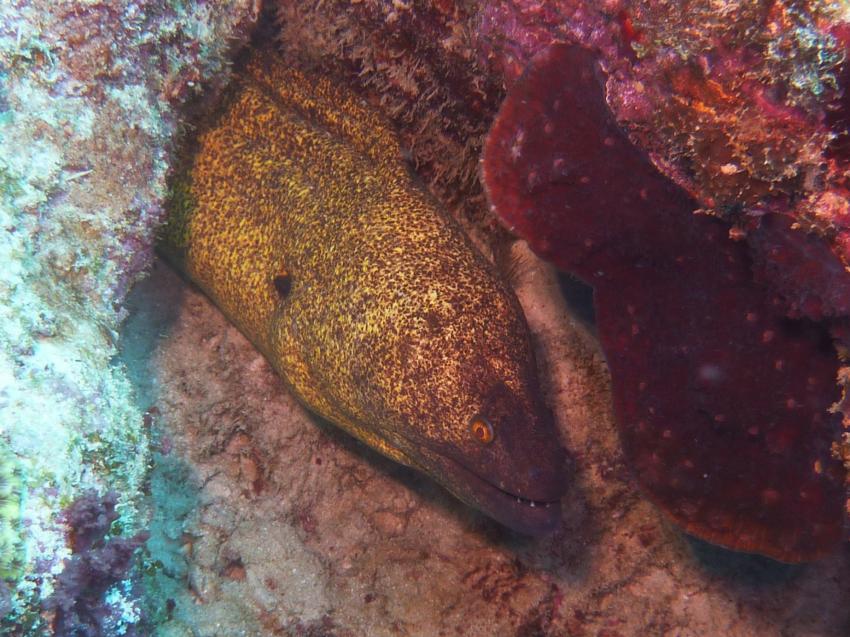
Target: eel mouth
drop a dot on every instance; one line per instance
(529, 517)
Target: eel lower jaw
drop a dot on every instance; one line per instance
(529, 517)
(535, 518)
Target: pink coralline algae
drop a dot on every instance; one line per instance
(741, 104)
(722, 383)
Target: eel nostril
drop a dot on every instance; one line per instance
(283, 283)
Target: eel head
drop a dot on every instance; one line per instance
(451, 389)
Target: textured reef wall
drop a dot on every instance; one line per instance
(419, 62)
(88, 93)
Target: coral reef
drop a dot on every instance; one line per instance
(277, 525)
(742, 108)
(702, 356)
(88, 93)
(97, 563)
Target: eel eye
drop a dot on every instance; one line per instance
(481, 429)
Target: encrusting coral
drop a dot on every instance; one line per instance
(88, 93)
(98, 562)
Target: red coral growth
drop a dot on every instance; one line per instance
(722, 401)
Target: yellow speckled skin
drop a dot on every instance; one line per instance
(394, 327)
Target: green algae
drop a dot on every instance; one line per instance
(12, 491)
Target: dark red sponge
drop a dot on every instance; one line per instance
(722, 401)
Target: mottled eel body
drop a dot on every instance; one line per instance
(298, 217)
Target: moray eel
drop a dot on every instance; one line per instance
(298, 217)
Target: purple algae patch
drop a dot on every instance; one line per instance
(98, 562)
